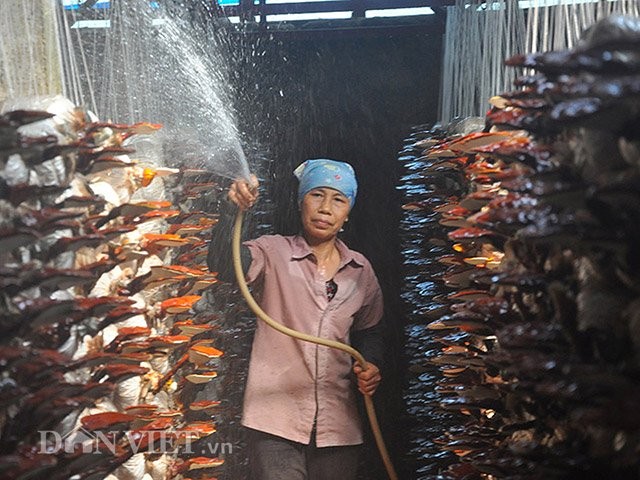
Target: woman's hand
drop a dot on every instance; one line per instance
(244, 193)
(368, 378)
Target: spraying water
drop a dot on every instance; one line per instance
(151, 65)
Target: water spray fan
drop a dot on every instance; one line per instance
(261, 314)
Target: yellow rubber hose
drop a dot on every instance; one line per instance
(373, 420)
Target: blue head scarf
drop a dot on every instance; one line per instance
(322, 172)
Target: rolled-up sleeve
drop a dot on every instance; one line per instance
(367, 331)
(257, 248)
(373, 306)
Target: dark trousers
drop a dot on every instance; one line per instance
(275, 458)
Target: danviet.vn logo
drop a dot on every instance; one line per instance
(117, 442)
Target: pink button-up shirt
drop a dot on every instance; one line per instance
(291, 382)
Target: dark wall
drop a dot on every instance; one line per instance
(349, 96)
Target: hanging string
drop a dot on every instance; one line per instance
(480, 35)
(73, 84)
(83, 57)
(28, 49)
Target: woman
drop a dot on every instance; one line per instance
(300, 405)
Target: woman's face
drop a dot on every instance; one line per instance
(323, 212)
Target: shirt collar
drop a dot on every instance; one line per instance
(301, 249)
